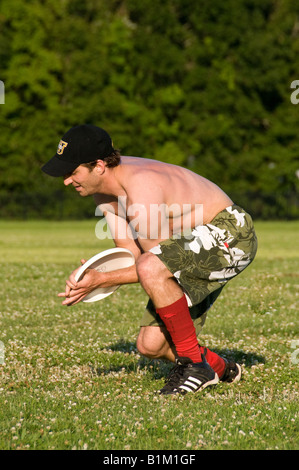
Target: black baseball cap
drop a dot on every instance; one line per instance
(81, 144)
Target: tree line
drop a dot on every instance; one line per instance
(205, 85)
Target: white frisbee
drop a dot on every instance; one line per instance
(108, 260)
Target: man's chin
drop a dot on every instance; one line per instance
(81, 191)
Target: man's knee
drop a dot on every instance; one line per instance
(145, 345)
(150, 268)
(144, 265)
(151, 342)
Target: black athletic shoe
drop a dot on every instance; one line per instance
(188, 376)
(232, 372)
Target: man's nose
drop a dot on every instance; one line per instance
(67, 180)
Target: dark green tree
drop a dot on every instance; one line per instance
(200, 84)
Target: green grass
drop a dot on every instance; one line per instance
(73, 379)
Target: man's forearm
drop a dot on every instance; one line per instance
(118, 277)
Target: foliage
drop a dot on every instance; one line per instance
(202, 85)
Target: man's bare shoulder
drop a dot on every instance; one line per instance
(144, 180)
(143, 169)
(132, 164)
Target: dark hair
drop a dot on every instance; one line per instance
(111, 161)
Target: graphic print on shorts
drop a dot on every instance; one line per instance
(211, 255)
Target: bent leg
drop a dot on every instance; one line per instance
(154, 342)
(170, 303)
(179, 336)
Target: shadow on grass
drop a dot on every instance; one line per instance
(248, 359)
(159, 368)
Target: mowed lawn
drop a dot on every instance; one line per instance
(71, 377)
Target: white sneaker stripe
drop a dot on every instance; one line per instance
(191, 384)
(197, 381)
(188, 384)
(186, 388)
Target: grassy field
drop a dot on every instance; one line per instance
(71, 378)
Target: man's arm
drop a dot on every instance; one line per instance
(92, 279)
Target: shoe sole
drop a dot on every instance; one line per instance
(239, 374)
(237, 377)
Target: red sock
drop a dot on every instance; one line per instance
(215, 361)
(180, 326)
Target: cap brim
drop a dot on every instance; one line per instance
(58, 167)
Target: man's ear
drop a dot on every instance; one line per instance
(100, 166)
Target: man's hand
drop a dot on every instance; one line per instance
(76, 291)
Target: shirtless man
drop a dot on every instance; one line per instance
(188, 239)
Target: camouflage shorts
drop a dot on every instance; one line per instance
(204, 261)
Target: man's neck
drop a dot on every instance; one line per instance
(111, 182)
